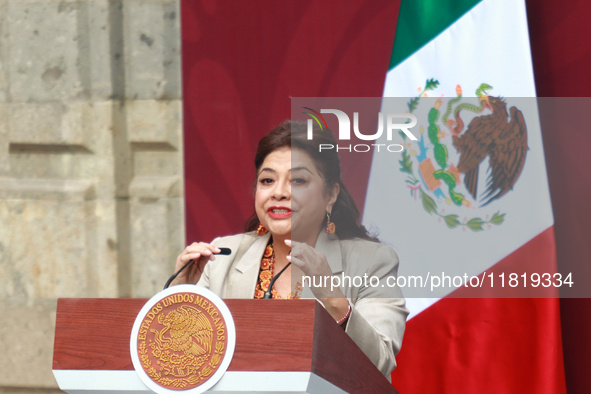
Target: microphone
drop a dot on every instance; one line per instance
(223, 251)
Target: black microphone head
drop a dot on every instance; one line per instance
(225, 251)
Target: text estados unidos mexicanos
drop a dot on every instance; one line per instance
(492, 280)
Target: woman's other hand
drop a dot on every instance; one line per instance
(307, 259)
(314, 264)
(201, 253)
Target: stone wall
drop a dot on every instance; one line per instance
(91, 177)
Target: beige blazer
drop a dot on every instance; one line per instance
(378, 316)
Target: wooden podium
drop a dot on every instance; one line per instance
(281, 346)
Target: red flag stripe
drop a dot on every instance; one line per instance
(487, 345)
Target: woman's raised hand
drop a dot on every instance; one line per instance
(200, 252)
(308, 260)
(314, 264)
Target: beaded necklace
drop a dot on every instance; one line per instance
(266, 275)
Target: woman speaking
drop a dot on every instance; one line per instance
(305, 240)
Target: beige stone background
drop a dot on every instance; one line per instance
(91, 185)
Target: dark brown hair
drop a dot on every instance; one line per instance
(345, 214)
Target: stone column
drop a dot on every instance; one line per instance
(91, 176)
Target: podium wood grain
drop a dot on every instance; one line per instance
(271, 335)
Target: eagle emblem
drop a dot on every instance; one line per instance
(462, 141)
(502, 139)
(182, 341)
(187, 331)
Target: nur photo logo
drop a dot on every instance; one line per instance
(390, 124)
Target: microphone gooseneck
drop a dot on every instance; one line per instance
(268, 294)
(173, 277)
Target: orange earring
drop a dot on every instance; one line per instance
(262, 230)
(330, 226)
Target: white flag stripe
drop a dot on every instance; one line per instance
(490, 41)
(489, 44)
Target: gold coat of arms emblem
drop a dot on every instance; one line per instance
(181, 339)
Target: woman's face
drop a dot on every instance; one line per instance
(290, 196)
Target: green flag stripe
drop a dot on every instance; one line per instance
(419, 21)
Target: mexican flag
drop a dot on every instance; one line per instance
(469, 199)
